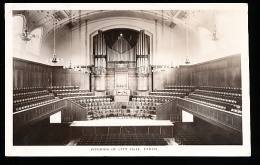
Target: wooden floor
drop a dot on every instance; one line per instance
(170, 141)
(121, 122)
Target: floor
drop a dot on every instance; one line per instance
(120, 121)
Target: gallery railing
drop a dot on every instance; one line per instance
(35, 114)
(222, 118)
(70, 111)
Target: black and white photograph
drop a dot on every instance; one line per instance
(127, 80)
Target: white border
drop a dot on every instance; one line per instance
(243, 150)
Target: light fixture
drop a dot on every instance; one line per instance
(26, 36)
(187, 60)
(156, 69)
(68, 67)
(215, 34)
(163, 68)
(172, 66)
(54, 58)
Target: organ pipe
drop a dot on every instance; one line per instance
(96, 46)
(143, 44)
(104, 45)
(95, 62)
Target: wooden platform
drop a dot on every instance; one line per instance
(121, 122)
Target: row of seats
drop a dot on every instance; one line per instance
(28, 97)
(70, 91)
(178, 87)
(25, 95)
(143, 114)
(206, 103)
(30, 104)
(177, 94)
(27, 89)
(152, 98)
(33, 98)
(122, 139)
(62, 87)
(238, 99)
(215, 98)
(69, 95)
(216, 104)
(221, 89)
(118, 107)
(140, 103)
(173, 90)
(92, 99)
(220, 93)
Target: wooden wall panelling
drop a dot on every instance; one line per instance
(168, 77)
(236, 62)
(172, 73)
(236, 77)
(61, 81)
(229, 63)
(29, 74)
(210, 78)
(158, 80)
(15, 75)
(26, 80)
(81, 81)
(35, 77)
(178, 76)
(229, 76)
(76, 79)
(215, 77)
(221, 77)
(204, 78)
(185, 76)
(40, 78)
(20, 80)
(173, 76)
(68, 79)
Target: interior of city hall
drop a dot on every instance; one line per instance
(126, 77)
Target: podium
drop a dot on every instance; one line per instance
(121, 95)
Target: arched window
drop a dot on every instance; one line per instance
(17, 30)
(33, 46)
(207, 44)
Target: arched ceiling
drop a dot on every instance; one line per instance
(67, 19)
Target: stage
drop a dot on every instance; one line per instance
(122, 126)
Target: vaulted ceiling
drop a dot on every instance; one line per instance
(67, 19)
(177, 32)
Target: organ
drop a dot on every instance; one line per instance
(120, 61)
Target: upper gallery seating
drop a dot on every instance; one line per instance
(164, 93)
(24, 98)
(176, 90)
(69, 91)
(146, 105)
(122, 139)
(225, 98)
(156, 99)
